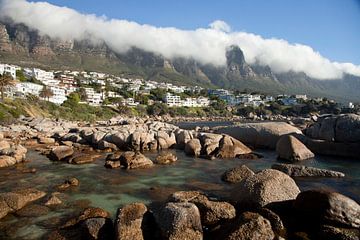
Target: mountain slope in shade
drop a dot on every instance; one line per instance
(23, 46)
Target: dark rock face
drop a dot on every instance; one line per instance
(304, 171)
(179, 221)
(237, 174)
(249, 226)
(267, 186)
(290, 148)
(330, 232)
(328, 207)
(97, 228)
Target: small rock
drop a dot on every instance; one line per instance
(133, 160)
(166, 158)
(60, 153)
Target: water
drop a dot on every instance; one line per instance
(112, 188)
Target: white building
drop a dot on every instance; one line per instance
(130, 102)
(93, 98)
(58, 95)
(45, 77)
(173, 100)
(23, 89)
(203, 101)
(8, 69)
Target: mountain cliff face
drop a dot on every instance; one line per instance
(23, 46)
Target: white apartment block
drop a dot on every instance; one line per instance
(93, 98)
(23, 89)
(130, 102)
(45, 77)
(173, 100)
(8, 69)
(59, 95)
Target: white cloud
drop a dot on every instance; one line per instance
(206, 45)
(220, 26)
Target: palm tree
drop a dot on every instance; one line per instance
(46, 93)
(5, 80)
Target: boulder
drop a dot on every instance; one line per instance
(210, 143)
(267, 186)
(97, 228)
(339, 128)
(133, 160)
(230, 147)
(4, 144)
(290, 148)
(193, 147)
(129, 221)
(53, 200)
(237, 174)
(7, 161)
(112, 164)
(13, 201)
(336, 233)
(182, 137)
(60, 153)
(165, 158)
(86, 214)
(249, 226)
(179, 221)
(327, 207)
(142, 141)
(83, 158)
(304, 171)
(165, 140)
(264, 134)
(340, 149)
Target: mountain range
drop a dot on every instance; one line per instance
(26, 47)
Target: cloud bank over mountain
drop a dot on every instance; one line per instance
(206, 45)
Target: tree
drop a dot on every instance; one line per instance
(20, 75)
(82, 94)
(5, 80)
(46, 93)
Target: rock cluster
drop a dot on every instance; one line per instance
(11, 153)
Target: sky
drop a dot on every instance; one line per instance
(319, 38)
(332, 27)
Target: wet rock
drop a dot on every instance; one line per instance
(193, 147)
(71, 182)
(275, 220)
(328, 207)
(86, 214)
(112, 164)
(60, 153)
(129, 221)
(165, 158)
(249, 226)
(53, 200)
(187, 196)
(83, 158)
(264, 134)
(179, 221)
(304, 171)
(334, 233)
(7, 161)
(267, 186)
(13, 201)
(290, 148)
(133, 160)
(97, 228)
(237, 174)
(230, 147)
(33, 210)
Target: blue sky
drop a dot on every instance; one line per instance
(331, 27)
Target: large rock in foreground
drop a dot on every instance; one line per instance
(265, 134)
(13, 201)
(290, 148)
(179, 221)
(129, 221)
(266, 187)
(249, 226)
(133, 160)
(304, 171)
(323, 207)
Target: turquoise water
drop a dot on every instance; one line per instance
(112, 188)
